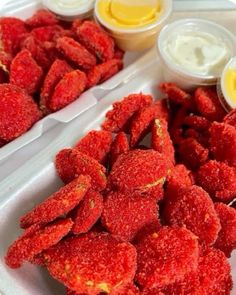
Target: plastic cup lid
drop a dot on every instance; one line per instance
(69, 7)
(132, 12)
(228, 83)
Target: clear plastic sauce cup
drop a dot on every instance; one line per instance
(134, 24)
(194, 52)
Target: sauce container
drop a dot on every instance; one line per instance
(226, 88)
(70, 9)
(134, 24)
(194, 52)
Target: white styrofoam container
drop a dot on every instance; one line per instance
(37, 179)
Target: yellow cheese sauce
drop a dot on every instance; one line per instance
(230, 85)
(129, 14)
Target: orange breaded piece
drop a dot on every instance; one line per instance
(226, 241)
(58, 204)
(48, 33)
(223, 143)
(192, 153)
(144, 171)
(88, 212)
(35, 240)
(161, 140)
(92, 263)
(214, 273)
(96, 40)
(70, 163)
(18, 112)
(76, 53)
(208, 104)
(147, 230)
(25, 72)
(96, 144)
(230, 118)
(12, 31)
(120, 145)
(122, 111)
(103, 72)
(176, 94)
(193, 208)
(218, 179)
(124, 215)
(197, 122)
(166, 256)
(42, 17)
(56, 72)
(142, 121)
(67, 90)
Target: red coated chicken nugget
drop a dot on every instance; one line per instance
(33, 242)
(175, 94)
(130, 289)
(96, 144)
(76, 53)
(218, 179)
(122, 111)
(214, 272)
(197, 122)
(95, 39)
(25, 72)
(193, 208)
(88, 212)
(119, 146)
(161, 140)
(200, 136)
(58, 204)
(70, 163)
(192, 153)
(67, 90)
(141, 122)
(223, 143)
(147, 230)
(42, 18)
(18, 112)
(208, 104)
(103, 72)
(166, 257)
(124, 215)
(179, 176)
(230, 118)
(226, 241)
(37, 51)
(12, 31)
(144, 171)
(92, 263)
(48, 33)
(56, 72)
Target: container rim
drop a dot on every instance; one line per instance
(187, 21)
(168, 7)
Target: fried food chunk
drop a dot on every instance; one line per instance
(193, 208)
(25, 72)
(218, 179)
(226, 241)
(88, 212)
(92, 263)
(58, 204)
(122, 111)
(124, 215)
(143, 171)
(42, 18)
(96, 144)
(36, 239)
(166, 257)
(70, 163)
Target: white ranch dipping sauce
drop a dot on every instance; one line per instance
(197, 52)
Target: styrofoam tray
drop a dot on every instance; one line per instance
(37, 179)
(24, 9)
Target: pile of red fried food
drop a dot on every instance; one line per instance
(147, 207)
(45, 64)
